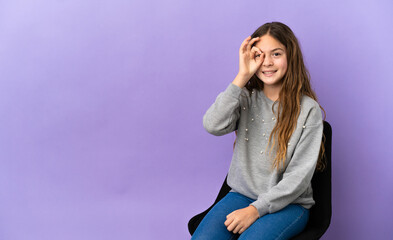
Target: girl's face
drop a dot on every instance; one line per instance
(274, 64)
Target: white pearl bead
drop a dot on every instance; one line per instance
(304, 126)
(246, 139)
(246, 129)
(252, 119)
(261, 152)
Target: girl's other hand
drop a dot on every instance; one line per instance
(239, 220)
(250, 59)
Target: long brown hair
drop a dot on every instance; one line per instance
(295, 84)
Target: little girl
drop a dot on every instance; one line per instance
(269, 103)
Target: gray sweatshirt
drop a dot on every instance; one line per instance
(250, 171)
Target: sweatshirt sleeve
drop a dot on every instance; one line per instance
(299, 171)
(222, 115)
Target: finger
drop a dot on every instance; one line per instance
(255, 53)
(237, 229)
(256, 50)
(228, 222)
(251, 42)
(244, 44)
(232, 226)
(229, 215)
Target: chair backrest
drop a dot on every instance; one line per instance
(321, 212)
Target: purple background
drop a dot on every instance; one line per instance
(101, 106)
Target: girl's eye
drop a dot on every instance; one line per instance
(276, 54)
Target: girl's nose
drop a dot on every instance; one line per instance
(267, 61)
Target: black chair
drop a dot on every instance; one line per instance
(320, 213)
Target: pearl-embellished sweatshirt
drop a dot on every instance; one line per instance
(250, 172)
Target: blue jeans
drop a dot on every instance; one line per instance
(283, 224)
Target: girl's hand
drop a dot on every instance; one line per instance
(250, 59)
(238, 221)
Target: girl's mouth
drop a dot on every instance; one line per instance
(269, 73)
